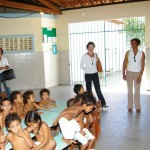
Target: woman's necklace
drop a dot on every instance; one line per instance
(92, 57)
(135, 53)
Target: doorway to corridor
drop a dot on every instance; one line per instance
(112, 40)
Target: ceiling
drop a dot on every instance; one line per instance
(56, 7)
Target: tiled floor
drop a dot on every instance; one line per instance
(120, 129)
(123, 130)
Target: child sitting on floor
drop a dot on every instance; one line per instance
(6, 106)
(78, 89)
(41, 131)
(45, 99)
(18, 138)
(17, 100)
(2, 140)
(70, 102)
(83, 135)
(67, 121)
(29, 102)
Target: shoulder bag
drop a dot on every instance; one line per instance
(99, 65)
(9, 74)
(126, 59)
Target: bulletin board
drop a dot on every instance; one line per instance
(49, 35)
(50, 39)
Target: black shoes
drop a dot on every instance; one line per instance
(104, 106)
(130, 110)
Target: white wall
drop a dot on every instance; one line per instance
(136, 9)
(33, 70)
(51, 64)
(147, 70)
(19, 26)
(29, 70)
(29, 67)
(51, 61)
(64, 68)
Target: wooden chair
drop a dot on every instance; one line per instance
(3, 95)
(95, 127)
(75, 146)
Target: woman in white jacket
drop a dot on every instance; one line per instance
(88, 64)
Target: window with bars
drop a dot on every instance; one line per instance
(17, 43)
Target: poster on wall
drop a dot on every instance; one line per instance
(49, 35)
(45, 38)
(50, 39)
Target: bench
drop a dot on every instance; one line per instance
(48, 117)
(95, 126)
(58, 138)
(60, 145)
(8, 146)
(3, 95)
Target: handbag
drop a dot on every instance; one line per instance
(99, 66)
(126, 59)
(9, 74)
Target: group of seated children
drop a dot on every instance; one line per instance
(72, 119)
(25, 107)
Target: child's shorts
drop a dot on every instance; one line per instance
(68, 128)
(83, 139)
(37, 143)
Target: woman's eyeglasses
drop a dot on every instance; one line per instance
(134, 59)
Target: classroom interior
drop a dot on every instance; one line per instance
(42, 66)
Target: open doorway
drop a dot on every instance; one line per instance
(112, 40)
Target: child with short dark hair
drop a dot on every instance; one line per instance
(67, 121)
(29, 102)
(70, 102)
(75, 101)
(78, 98)
(78, 89)
(6, 106)
(84, 136)
(41, 131)
(17, 100)
(18, 138)
(45, 99)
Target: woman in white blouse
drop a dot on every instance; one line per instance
(88, 64)
(133, 67)
(3, 66)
